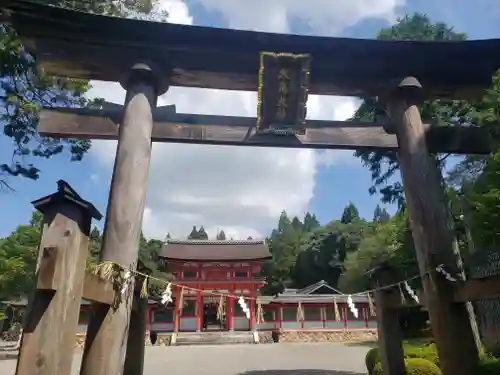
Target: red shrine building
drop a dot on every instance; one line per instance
(209, 269)
(205, 270)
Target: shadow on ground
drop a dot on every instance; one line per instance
(300, 372)
(369, 344)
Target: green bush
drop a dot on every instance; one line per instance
(488, 366)
(414, 366)
(421, 366)
(371, 360)
(428, 352)
(377, 370)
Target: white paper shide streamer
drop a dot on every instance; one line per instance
(244, 307)
(352, 307)
(411, 292)
(166, 296)
(440, 269)
(126, 282)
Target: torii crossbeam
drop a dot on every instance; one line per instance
(170, 126)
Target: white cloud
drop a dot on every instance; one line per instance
(239, 189)
(325, 17)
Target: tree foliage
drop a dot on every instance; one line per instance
(24, 90)
(221, 236)
(384, 164)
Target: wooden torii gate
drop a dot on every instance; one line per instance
(148, 57)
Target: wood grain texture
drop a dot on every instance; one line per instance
(390, 342)
(106, 339)
(103, 48)
(433, 241)
(51, 321)
(97, 290)
(134, 358)
(240, 131)
(478, 289)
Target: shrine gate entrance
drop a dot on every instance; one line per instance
(148, 57)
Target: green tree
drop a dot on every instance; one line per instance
(390, 242)
(310, 222)
(221, 236)
(194, 233)
(384, 164)
(350, 214)
(202, 235)
(18, 254)
(24, 90)
(380, 214)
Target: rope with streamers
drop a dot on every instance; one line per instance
(336, 310)
(440, 269)
(220, 309)
(244, 307)
(401, 293)
(166, 296)
(260, 314)
(352, 306)
(112, 272)
(300, 313)
(371, 305)
(411, 292)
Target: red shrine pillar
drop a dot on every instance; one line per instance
(230, 312)
(177, 311)
(199, 311)
(252, 313)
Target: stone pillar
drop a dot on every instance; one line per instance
(106, 341)
(424, 195)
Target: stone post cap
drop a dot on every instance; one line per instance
(409, 88)
(148, 72)
(65, 193)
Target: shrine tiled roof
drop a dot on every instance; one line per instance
(206, 250)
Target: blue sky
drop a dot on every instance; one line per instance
(185, 179)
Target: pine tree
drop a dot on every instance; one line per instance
(221, 236)
(380, 215)
(194, 234)
(202, 235)
(310, 222)
(350, 214)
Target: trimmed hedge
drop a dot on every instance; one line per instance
(371, 360)
(414, 366)
(488, 366)
(427, 352)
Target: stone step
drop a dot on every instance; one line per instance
(214, 338)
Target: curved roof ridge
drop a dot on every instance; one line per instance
(214, 242)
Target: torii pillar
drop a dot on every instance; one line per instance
(424, 194)
(106, 340)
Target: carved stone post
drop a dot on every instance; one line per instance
(106, 340)
(433, 241)
(390, 342)
(50, 324)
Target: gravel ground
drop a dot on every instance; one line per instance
(270, 359)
